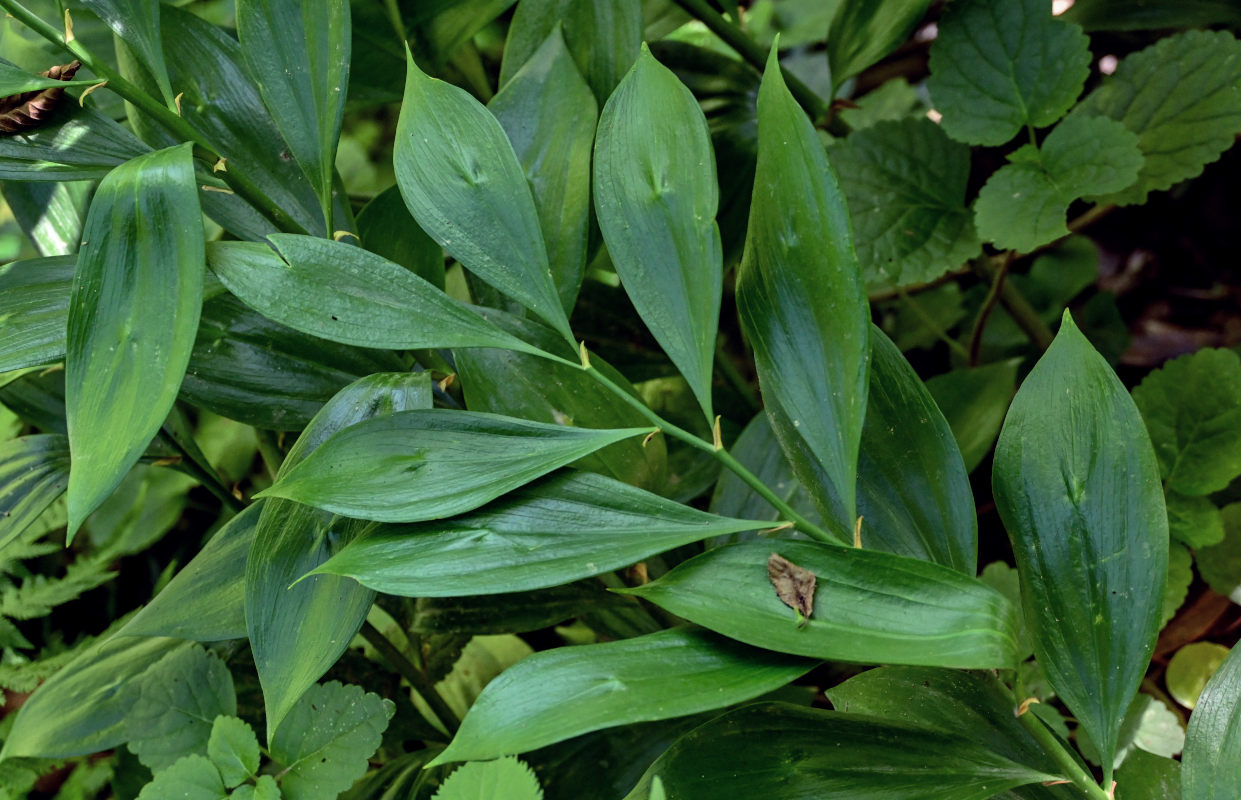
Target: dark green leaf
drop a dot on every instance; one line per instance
(137, 294)
(234, 749)
(783, 752)
(869, 607)
(566, 527)
(34, 304)
(1220, 564)
(1128, 15)
(1148, 777)
(863, 33)
(50, 214)
(1195, 521)
(18, 81)
(387, 230)
(561, 693)
(438, 28)
(34, 471)
(137, 22)
(193, 777)
(974, 402)
(800, 299)
(174, 705)
(759, 452)
(75, 143)
(1180, 576)
(1077, 486)
(1213, 741)
(516, 612)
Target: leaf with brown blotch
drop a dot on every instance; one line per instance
(22, 112)
(794, 585)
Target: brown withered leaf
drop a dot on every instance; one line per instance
(28, 110)
(794, 585)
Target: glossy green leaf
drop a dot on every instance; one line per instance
(137, 294)
(76, 144)
(1023, 205)
(298, 631)
(549, 113)
(137, 22)
(345, 294)
(1182, 97)
(566, 527)
(387, 230)
(1148, 777)
(176, 700)
(1078, 489)
(782, 752)
(17, 81)
(1192, 409)
(869, 607)
(863, 33)
(34, 305)
(298, 54)
(234, 749)
(906, 183)
(1220, 564)
(800, 299)
(974, 402)
(438, 28)
(1213, 741)
(34, 471)
(512, 612)
(1190, 668)
(1195, 521)
(998, 66)
(463, 183)
(51, 215)
(420, 465)
(193, 777)
(759, 452)
(561, 693)
(1125, 15)
(502, 779)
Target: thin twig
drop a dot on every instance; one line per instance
(988, 305)
(417, 678)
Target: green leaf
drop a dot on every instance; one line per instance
(656, 195)
(513, 612)
(34, 305)
(1190, 668)
(440, 27)
(1195, 521)
(463, 183)
(1077, 487)
(387, 230)
(81, 709)
(134, 311)
(549, 113)
(18, 81)
(34, 471)
(1180, 576)
(298, 631)
(1220, 565)
(1148, 777)
(234, 749)
(345, 294)
(558, 694)
(1192, 410)
(974, 402)
(801, 303)
(420, 465)
(298, 54)
(759, 452)
(566, 527)
(171, 713)
(265, 788)
(325, 741)
(137, 22)
(906, 183)
(869, 607)
(782, 752)
(50, 214)
(76, 144)
(502, 779)
(1124, 15)
(193, 777)
(1003, 65)
(1182, 97)
(1023, 205)
(863, 33)
(1213, 741)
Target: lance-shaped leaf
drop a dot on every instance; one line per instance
(1213, 741)
(137, 23)
(137, 294)
(34, 471)
(345, 294)
(562, 693)
(51, 214)
(1077, 486)
(558, 530)
(656, 196)
(34, 305)
(463, 183)
(76, 144)
(387, 229)
(974, 402)
(298, 631)
(298, 54)
(782, 752)
(863, 33)
(420, 465)
(869, 607)
(801, 303)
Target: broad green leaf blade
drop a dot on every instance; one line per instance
(759, 452)
(420, 465)
(656, 196)
(81, 709)
(34, 471)
(18, 81)
(51, 215)
(502, 779)
(76, 144)
(801, 302)
(463, 183)
(998, 66)
(345, 294)
(327, 738)
(1213, 741)
(1148, 777)
(137, 22)
(34, 305)
(1122, 15)
(863, 33)
(299, 631)
(234, 749)
(869, 607)
(1220, 564)
(512, 612)
(387, 230)
(137, 294)
(193, 777)
(974, 402)
(906, 184)
(1192, 410)
(176, 700)
(783, 752)
(1182, 97)
(297, 52)
(549, 113)
(1190, 668)
(1077, 486)
(561, 529)
(1023, 205)
(564, 692)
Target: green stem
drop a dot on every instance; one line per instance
(175, 124)
(205, 475)
(988, 305)
(1017, 306)
(416, 677)
(1054, 748)
(934, 326)
(740, 385)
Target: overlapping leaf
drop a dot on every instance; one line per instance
(863, 33)
(76, 144)
(137, 22)
(34, 471)
(174, 704)
(1213, 741)
(34, 305)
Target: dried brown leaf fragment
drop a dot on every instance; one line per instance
(28, 110)
(794, 585)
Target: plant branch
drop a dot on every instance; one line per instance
(416, 677)
(930, 322)
(1017, 306)
(988, 305)
(206, 475)
(1091, 216)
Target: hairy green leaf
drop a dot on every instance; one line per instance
(176, 700)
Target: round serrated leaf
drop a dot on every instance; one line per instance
(1190, 668)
